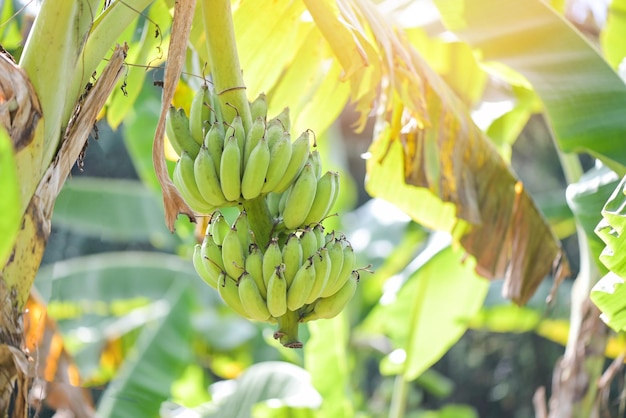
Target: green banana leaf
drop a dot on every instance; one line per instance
(113, 209)
(10, 201)
(583, 96)
(612, 35)
(429, 313)
(157, 359)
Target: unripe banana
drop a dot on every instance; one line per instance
(218, 227)
(325, 194)
(230, 172)
(272, 200)
(308, 242)
(274, 131)
(177, 131)
(207, 180)
(255, 170)
(335, 252)
(300, 198)
(277, 293)
(256, 132)
(214, 141)
(216, 110)
(251, 299)
(243, 229)
(258, 108)
(212, 255)
(316, 161)
(283, 200)
(205, 274)
(280, 154)
(228, 290)
(321, 262)
(299, 155)
(185, 182)
(298, 292)
(240, 135)
(292, 257)
(232, 254)
(254, 266)
(318, 230)
(349, 262)
(331, 306)
(199, 114)
(272, 258)
(284, 119)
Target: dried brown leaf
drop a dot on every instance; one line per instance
(181, 25)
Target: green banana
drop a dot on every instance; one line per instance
(254, 267)
(255, 170)
(230, 175)
(300, 198)
(243, 229)
(300, 289)
(308, 242)
(321, 262)
(335, 252)
(272, 200)
(325, 193)
(251, 299)
(214, 141)
(218, 227)
(280, 154)
(318, 230)
(240, 135)
(349, 262)
(205, 274)
(283, 200)
(316, 161)
(272, 258)
(283, 118)
(207, 180)
(331, 306)
(177, 131)
(185, 182)
(228, 290)
(292, 257)
(258, 108)
(299, 155)
(216, 110)
(256, 132)
(232, 254)
(274, 131)
(277, 293)
(212, 255)
(199, 114)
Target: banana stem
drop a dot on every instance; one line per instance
(287, 332)
(225, 68)
(260, 220)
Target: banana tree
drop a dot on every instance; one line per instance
(427, 156)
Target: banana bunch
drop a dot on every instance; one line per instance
(311, 275)
(223, 164)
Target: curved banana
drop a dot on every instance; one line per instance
(274, 131)
(256, 132)
(205, 274)
(254, 267)
(184, 180)
(292, 257)
(277, 293)
(207, 180)
(283, 118)
(177, 131)
(300, 289)
(216, 110)
(251, 299)
(219, 227)
(232, 254)
(243, 229)
(272, 258)
(240, 135)
(230, 170)
(325, 194)
(321, 262)
(349, 262)
(214, 141)
(212, 255)
(318, 230)
(272, 200)
(280, 155)
(255, 170)
(331, 306)
(258, 108)
(316, 161)
(308, 242)
(335, 252)
(199, 114)
(299, 155)
(300, 198)
(228, 290)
